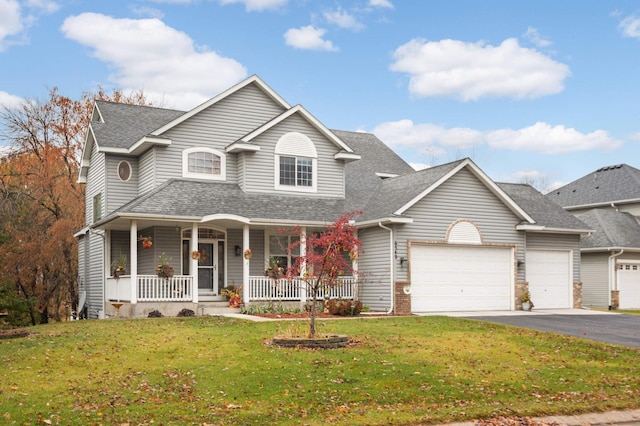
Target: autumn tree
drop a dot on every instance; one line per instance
(41, 202)
(327, 257)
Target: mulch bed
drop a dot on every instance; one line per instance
(319, 315)
(13, 333)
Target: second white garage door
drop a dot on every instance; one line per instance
(629, 285)
(461, 278)
(549, 277)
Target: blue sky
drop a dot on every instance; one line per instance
(548, 90)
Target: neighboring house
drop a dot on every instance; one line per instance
(608, 201)
(209, 185)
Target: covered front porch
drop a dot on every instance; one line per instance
(206, 257)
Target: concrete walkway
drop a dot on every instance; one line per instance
(628, 418)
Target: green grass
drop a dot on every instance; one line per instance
(220, 371)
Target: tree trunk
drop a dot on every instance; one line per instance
(312, 321)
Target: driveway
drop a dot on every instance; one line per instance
(606, 327)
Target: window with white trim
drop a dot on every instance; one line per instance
(296, 163)
(204, 163)
(278, 245)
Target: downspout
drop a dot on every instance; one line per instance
(613, 273)
(391, 261)
(102, 273)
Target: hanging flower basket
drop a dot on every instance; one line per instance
(247, 254)
(147, 242)
(195, 255)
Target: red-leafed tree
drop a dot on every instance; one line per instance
(329, 256)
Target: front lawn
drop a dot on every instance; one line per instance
(220, 371)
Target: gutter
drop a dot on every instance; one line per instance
(612, 273)
(391, 259)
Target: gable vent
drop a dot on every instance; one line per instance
(297, 144)
(463, 232)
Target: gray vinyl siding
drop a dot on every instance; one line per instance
(95, 276)
(216, 127)
(557, 242)
(234, 263)
(460, 197)
(595, 280)
(374, 274)
(119, 192)
(94, 266)
(146, 172)
(119, 244)
(167, 240)
(260, 167)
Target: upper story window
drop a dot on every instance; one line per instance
(203, 163)
(97, 207)
(124, 171)
(296, 163)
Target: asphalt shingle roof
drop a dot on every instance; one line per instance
(542, 210)
(125, 124)
(190, 198)
(605, 185)
(612, 229)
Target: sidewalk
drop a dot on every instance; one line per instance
(628, 418)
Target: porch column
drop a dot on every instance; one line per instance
(193, 266)
(133, 264)
(245, 264)
(303, 267)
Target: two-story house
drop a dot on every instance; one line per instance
(608, 201)
(208, 192)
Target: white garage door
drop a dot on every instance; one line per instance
(549, 277)
(461, 278)
(629, 285)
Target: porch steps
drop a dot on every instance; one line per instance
(216, 308)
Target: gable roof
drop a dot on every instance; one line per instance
(612, 184)
(612, 230)
(548, 216)
(134, 122)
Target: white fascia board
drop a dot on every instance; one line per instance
(386, 220)
(147, 141)
(89, 140)
(609, 249)
(475, 170)
(347, 156)
(544, 229)
(603, 204)
(97, 109)
(386, 175)
(223, 216)
(242, 147)
(285, 222)
(306, 115)
(81, 232)
(219, 97)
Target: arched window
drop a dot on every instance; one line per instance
(296, 163)
(203, 163)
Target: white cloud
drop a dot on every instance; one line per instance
(257, 5)
(308, 38)
(9, 101)
(147, 54)
(533, 35)
(147, 12)
(635, 137)
(630, 26)
(43, 6)
(471, 71)
(546, 139)
(540, 138)
(10, 21)
(343, 19)
(381, 3)
(406, 133)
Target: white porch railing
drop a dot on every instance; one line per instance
(265, 288)
(178, 288)
(151, 288)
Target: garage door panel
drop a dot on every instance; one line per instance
(549, 277)
(629, 285)
(459, 278)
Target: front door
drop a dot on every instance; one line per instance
(211, 267)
